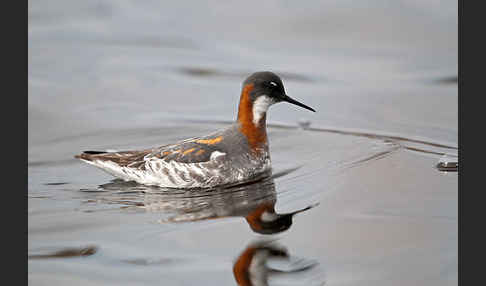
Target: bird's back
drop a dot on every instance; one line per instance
(223, 157)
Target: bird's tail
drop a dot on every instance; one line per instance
(87, 155)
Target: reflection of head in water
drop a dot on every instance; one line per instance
(265, 220)
(250, 268)
(253, 201)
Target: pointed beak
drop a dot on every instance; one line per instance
(293, 101)
(302, 210)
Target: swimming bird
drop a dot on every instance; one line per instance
(236, 154)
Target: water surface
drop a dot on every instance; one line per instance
(355, 185)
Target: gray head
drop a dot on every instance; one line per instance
(265, 220)
(266, 88)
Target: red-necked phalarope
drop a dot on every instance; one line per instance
(238, 153)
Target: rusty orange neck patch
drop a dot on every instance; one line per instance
(254, 218)
(256, 135)
(242, 266)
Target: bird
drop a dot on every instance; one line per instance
(236, 154)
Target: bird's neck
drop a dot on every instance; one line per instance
(241, 268)
(252, 120)
(259, 216)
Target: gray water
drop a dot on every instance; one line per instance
(127, 75)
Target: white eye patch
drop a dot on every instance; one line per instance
(273, 83)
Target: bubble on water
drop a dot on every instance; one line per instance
(448, 163)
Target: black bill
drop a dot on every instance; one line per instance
(293, 101)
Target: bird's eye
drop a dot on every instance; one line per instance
(273, 84)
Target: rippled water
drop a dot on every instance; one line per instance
(356, 187)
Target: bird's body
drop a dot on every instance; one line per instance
(236, 154)
(220, 158)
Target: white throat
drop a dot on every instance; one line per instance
(260, 107)
(268, 216)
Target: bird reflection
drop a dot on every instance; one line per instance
(264, 220)
(253, 201)
(251, 267)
